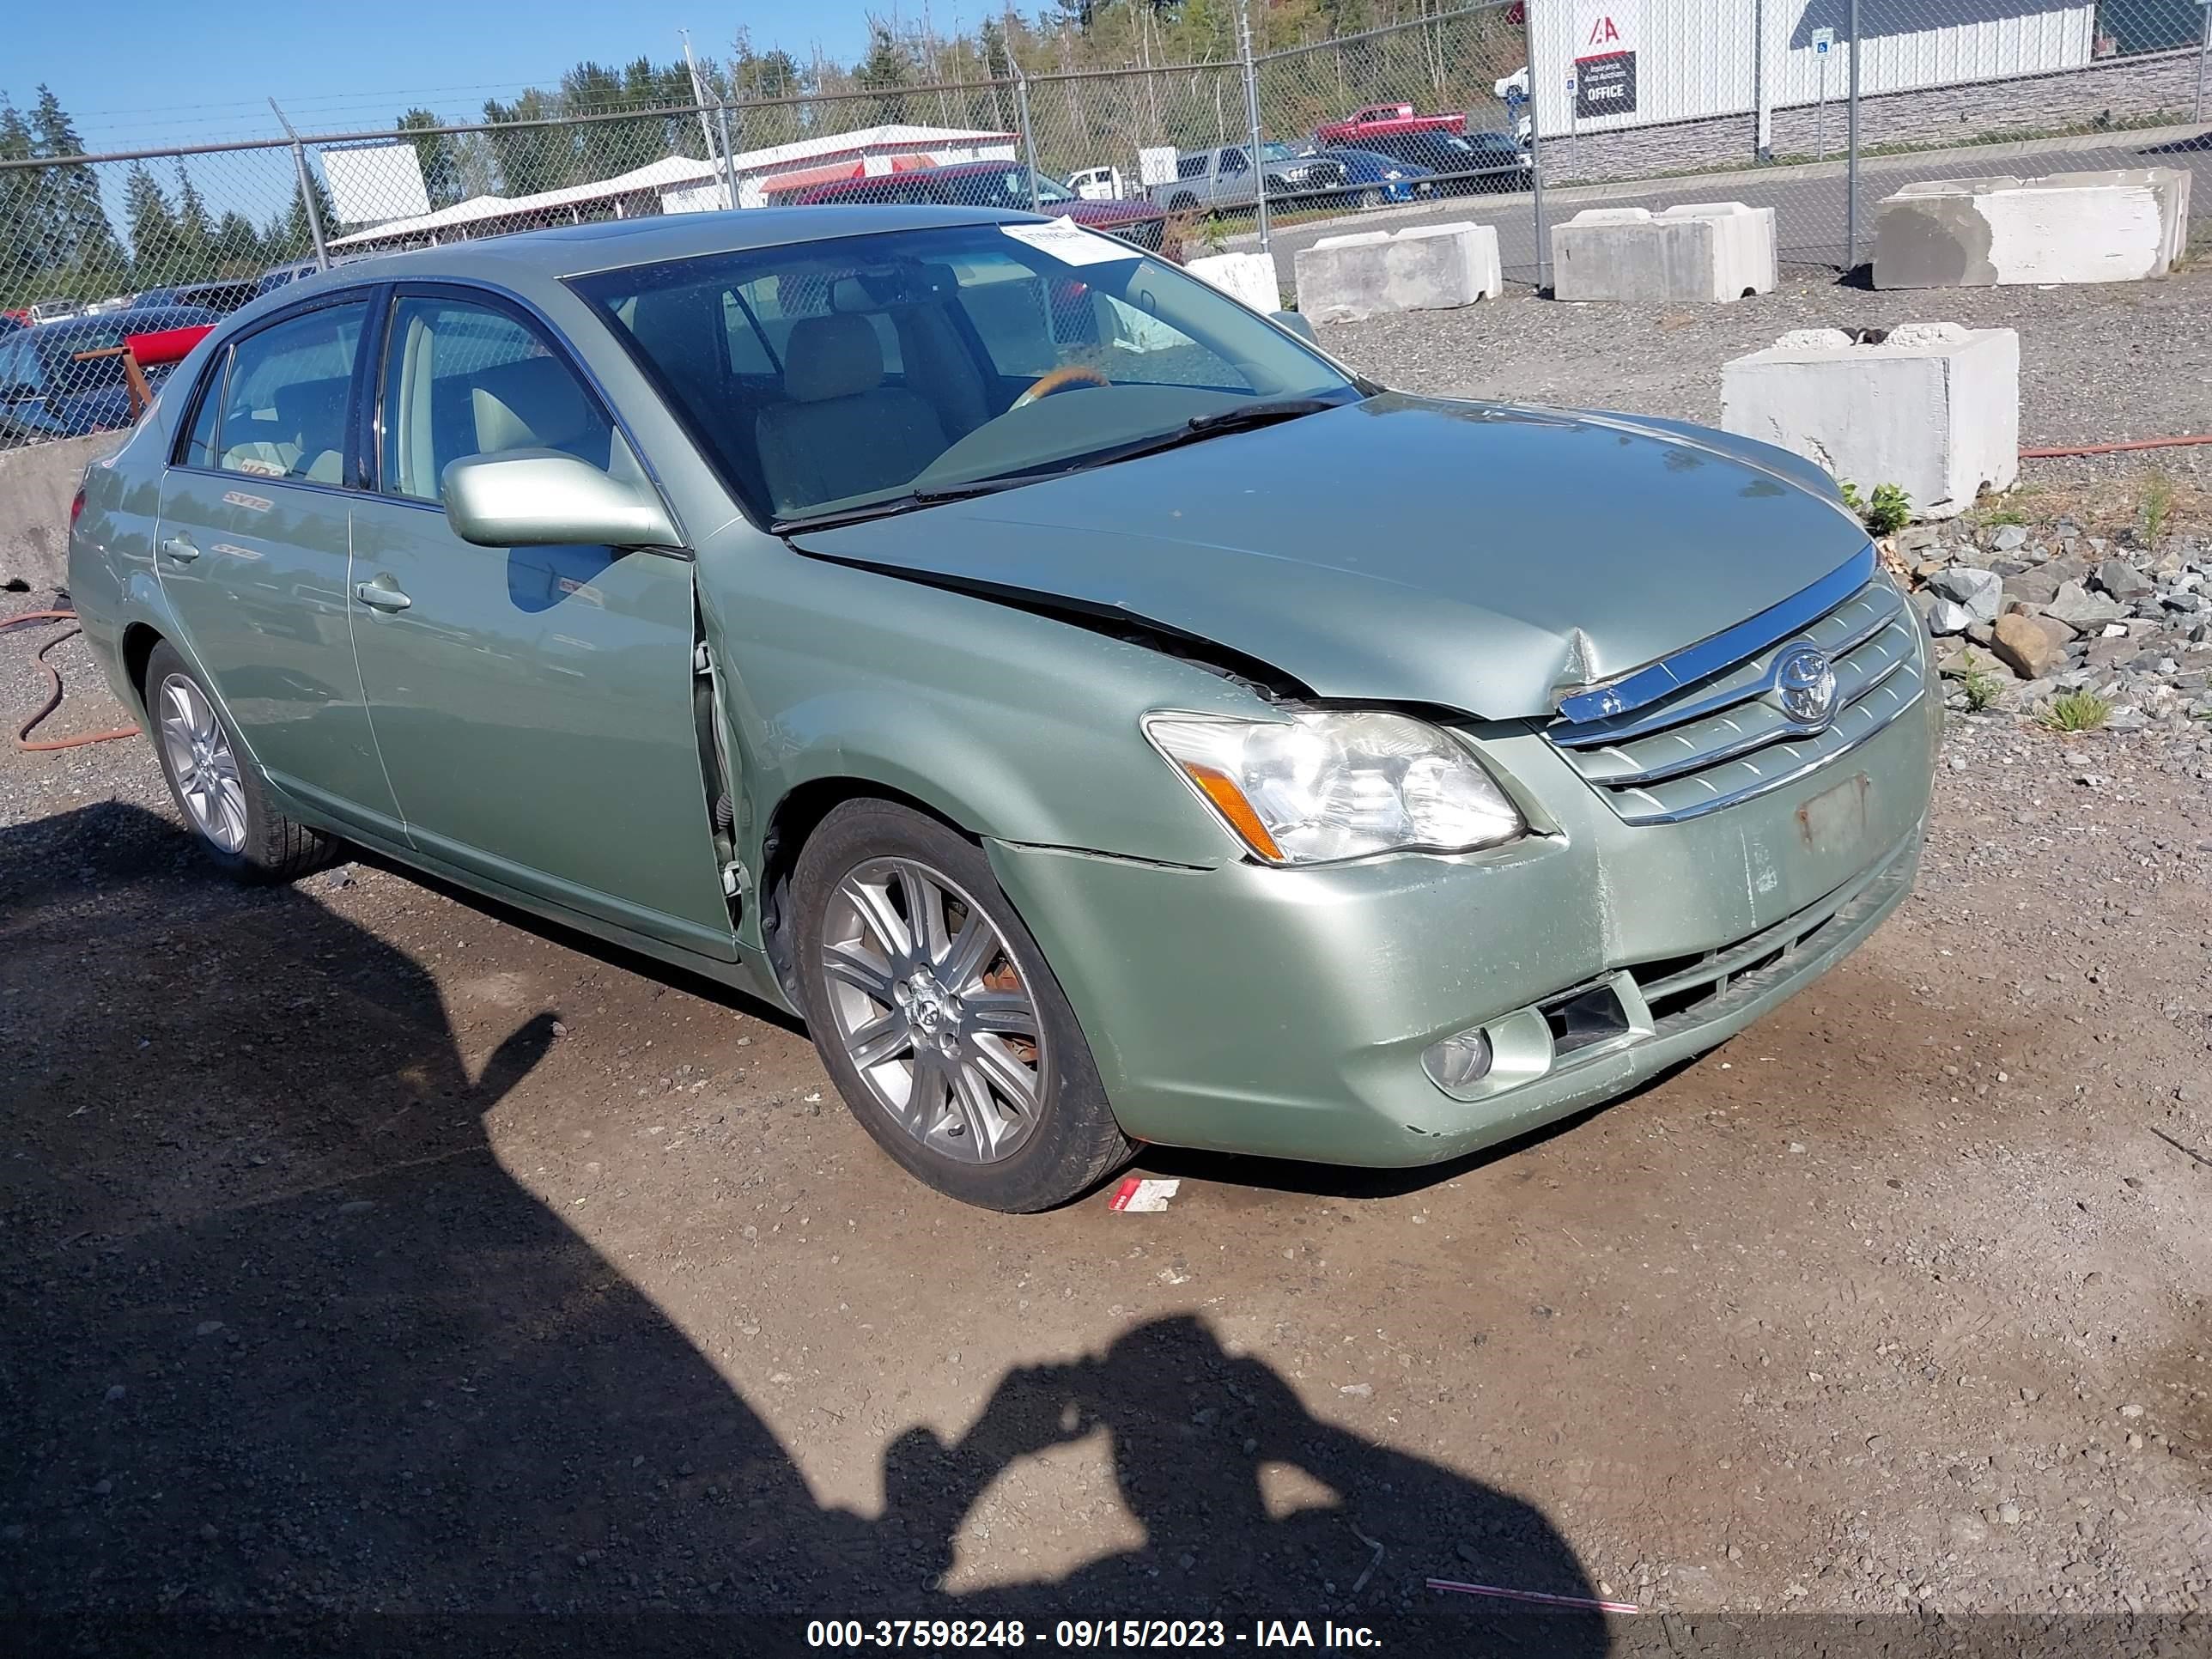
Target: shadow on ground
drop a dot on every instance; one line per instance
(287, 1351)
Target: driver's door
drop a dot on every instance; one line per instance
(534, 707)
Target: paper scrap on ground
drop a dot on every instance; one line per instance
(1538, 1597)
(1070, 244)
(1141, 1194)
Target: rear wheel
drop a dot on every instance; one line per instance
(215, 787)
(1370, 198)
(935, 1014)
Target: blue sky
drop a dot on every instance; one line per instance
(162, 81)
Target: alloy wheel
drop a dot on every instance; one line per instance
(202, 761)
(931, 1008)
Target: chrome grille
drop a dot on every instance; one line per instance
(1725, 738)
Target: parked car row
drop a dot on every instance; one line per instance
(48, 390)
(1011, 185)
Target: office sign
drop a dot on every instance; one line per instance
(1606, 35)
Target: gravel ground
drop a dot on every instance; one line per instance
(365, 1248)
(2098, 364)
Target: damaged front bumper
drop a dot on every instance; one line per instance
(1285, 1012)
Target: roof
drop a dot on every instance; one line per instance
(669, 173)
(611, 244)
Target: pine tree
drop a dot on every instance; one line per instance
(299, 234)
(22, 251)
(887, 68)
(435, 154)
(196, 254)
(238, 248)
(153, 228)
(71, 217)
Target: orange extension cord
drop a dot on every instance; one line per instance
(54, 697)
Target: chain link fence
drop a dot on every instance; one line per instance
(1506, 112)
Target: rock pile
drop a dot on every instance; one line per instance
(2048, 608)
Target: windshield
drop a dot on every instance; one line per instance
(822, 377)
(1274, 151)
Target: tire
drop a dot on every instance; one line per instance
(1182, 202)
(223, 801)
(1370, 200)
(927, 1044)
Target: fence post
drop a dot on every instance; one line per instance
(2204, 56)
(1028, 134)
(307, 190)
(729, 157)
(1536, 142)
(1851, 165)
(1252, 118)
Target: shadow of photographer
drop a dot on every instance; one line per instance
(287, 1345)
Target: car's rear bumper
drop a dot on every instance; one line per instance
(1285, 1012)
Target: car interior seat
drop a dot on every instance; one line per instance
(843, 431)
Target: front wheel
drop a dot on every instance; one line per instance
(1370, 199)
(936, 1016)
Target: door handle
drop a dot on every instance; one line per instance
(180, 549)
(382, 593)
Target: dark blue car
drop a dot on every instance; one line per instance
(1371, 179)
(45, 392)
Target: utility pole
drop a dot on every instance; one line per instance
(1252, 117)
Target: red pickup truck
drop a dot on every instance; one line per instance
(1378, 118)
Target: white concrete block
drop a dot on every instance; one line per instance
(1934, 409)
(2111, 227)
(1345, 279)
(1693, 252)
(1250, 277)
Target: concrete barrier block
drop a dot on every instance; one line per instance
(1693, 252)
(1346, 279)
(1250, 277)
(37, 484)
(1933, 408)
(2118, 226)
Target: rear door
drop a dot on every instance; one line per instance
(536, 707)
(252, 552)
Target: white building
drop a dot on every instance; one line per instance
(680, 183)
(1600, 64)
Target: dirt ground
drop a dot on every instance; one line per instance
(367, 1252)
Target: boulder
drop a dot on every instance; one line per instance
(1981, 592)
(2076, 606)
(2121, 580)
(2033, 647)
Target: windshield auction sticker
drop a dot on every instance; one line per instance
(1070, 244)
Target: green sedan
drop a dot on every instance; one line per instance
(1101, 716)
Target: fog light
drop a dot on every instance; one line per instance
(1460, 1060)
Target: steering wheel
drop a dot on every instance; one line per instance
(1060, 379)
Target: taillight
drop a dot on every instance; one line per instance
(76, 507)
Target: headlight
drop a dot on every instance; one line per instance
(1327, 784)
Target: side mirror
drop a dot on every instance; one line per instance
(1299, 326)
(542, 498)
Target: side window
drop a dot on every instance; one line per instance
(199, 445)
(1191, 167)
(1233, 161)
(748, 350)
(283, 406)
(463, 379)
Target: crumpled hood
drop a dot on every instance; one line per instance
(1478, 557)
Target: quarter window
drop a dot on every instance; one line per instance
(283, 406)
(463, 379)
(200, 442)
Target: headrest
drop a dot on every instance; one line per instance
(310, 410)
(832, 357)
(530, 404)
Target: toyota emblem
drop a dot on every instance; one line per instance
(1805, 684)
